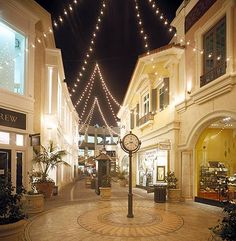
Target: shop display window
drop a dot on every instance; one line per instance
(216, 161)
(12, 59)
(19, 140)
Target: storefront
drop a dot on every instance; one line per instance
(152, 167)
(216, 161)
(13, 147)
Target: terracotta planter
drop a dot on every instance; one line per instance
(105, 193)
(174, 195)
(46, 188)
(34, 203)
(12, 231)
(122, 182)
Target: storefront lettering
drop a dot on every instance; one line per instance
(12, 119)
(9, 118)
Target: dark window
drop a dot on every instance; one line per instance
(164, 95)
(214, 60)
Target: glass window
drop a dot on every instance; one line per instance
(91, 139)
(81, 152)
(214, 59)
(146, 104)
(164, 94)
(81, 139)
(12, 59)
(19, 140)
(90, 152)
(4, 138)
(99, 140)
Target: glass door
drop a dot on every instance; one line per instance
(5, 165)
(19, 169)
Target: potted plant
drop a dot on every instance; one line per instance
(226, 228)
(105, 189)
(47, 159)
(12, 218)
(174, 194)
(33, 200)
(122, 178)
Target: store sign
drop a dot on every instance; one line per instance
(12, 119)
(164, 145)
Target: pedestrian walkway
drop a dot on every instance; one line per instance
(78, 214)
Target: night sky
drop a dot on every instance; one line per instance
(118, 43)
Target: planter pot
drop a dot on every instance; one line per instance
(12, 231)
(46, 188)
(34, 203)
(105, 193)
(122, 182)
(174, 195)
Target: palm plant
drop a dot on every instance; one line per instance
(47, 159)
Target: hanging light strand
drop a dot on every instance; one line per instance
(106, 93)
(91, 80)
(69, 8)
(155, 8)
(104, 119)
(91, 47)
(142, 32)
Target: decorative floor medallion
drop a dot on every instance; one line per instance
(146, 222)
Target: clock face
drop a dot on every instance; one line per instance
(130, 142)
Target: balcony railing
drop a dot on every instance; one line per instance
(213, 74)
(146, 118)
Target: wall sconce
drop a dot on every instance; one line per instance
(189, 87)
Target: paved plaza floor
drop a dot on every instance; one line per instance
(77, 213)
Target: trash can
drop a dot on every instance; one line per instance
(159, 193)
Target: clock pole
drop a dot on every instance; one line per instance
(131, 146)
(130, 195)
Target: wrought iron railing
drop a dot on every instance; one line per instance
(218, 71)
(146, 118)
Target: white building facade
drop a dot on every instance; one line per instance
(34, 100)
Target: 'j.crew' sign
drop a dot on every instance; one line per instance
(12, 119)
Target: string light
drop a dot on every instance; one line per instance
(104, 119)
(143, 34)
(92, 40)
(157, 12)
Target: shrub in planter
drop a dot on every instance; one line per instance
(11, 215)
(226, 228)
(47, 159)
(105, 189)
(174, 194)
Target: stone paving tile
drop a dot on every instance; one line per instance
(72, 217)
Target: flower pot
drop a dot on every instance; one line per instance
(34, 203)
(105, 193)
(12, 231)
(174, 195)
(46, 188)
(122, 182)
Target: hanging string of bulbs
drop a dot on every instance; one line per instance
(91, 46)
(68, 9)
(142, 32)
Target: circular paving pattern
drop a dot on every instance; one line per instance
(146, 222)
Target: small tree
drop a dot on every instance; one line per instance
(226, 228)
(171, 180)
(10, 206)
(47, 159)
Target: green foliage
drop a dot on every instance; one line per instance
(106, 181)
(10, 206)
(226, 228)
(171, 180)
(47, 159)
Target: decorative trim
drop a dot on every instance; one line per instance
(197, 12)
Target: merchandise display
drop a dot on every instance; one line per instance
(213, 181)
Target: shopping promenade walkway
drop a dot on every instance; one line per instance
(78, 214)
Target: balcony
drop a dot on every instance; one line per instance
(213, 74)
(147, 119)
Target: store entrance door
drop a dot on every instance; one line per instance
(5, 164)
(19, 168)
